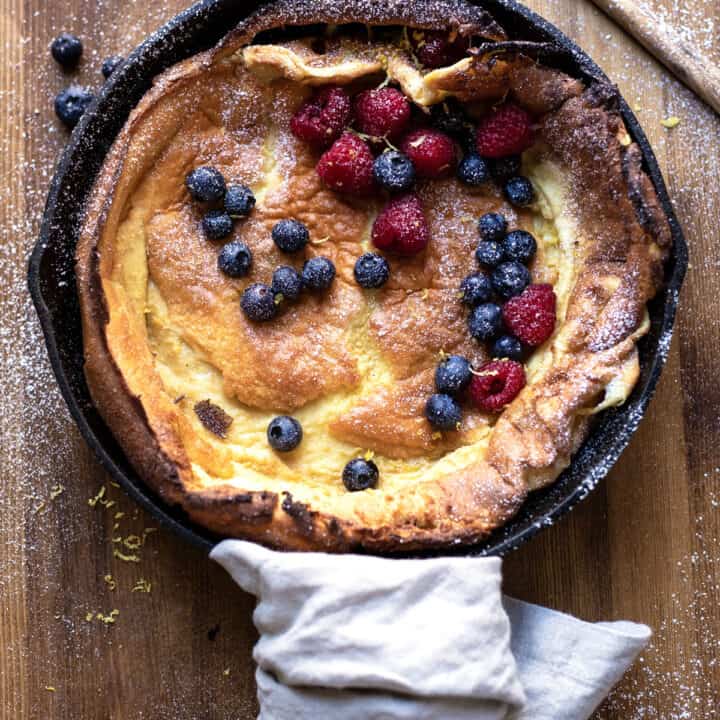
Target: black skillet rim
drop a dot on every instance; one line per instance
(601, 449)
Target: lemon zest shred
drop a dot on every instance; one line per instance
(671, 122)
(50, 688)
(92, 502)
(125, 558)
(110, 582)
(101, 499)
(56, 490)
(108, 619)
(142, 585)
(133, 542)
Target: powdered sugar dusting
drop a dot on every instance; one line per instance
(683, 688)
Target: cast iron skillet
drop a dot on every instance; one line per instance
(52, 280)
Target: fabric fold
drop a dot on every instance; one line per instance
(352, 636)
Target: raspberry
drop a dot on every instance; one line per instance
(505, 131)
(401, 226)
(432, 152)
(531, 315)
(497, 384)
(347, 166)
(382, 113)
(321, 119)
(434, 49)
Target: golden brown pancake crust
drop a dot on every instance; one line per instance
(621, 241)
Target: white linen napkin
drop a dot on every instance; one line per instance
(366, 638)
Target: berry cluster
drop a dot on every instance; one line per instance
(528, 314)
(259, 302)
(490, 388)
(73, 101)
(223, 205)
(353, 161)
(527, 319)
(226, 203)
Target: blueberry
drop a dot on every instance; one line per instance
(286, 281)
(290, 235)
(476, 289)
(71, 103)
(507, 346)
(111, 64)
(206, 184)
(239, 201)
(235, 259)
(258, 303)
(371, 270)
(519, 191)
(67, 49)
(318, 273)
(473, 170)
(492, 226)
(217, 224)
(443, 412)
(452, 375)
(284, 433)
(489, 253)
(360, 474)
(485, 321)
(519, 245)
(449, 117)
(394, 171)
(505, 168)
(510, 279)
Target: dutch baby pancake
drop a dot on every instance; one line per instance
(360, 276)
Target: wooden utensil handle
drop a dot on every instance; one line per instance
(686, 62)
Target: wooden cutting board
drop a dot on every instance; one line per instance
(645, 546)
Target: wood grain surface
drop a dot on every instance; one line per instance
(79, 637)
